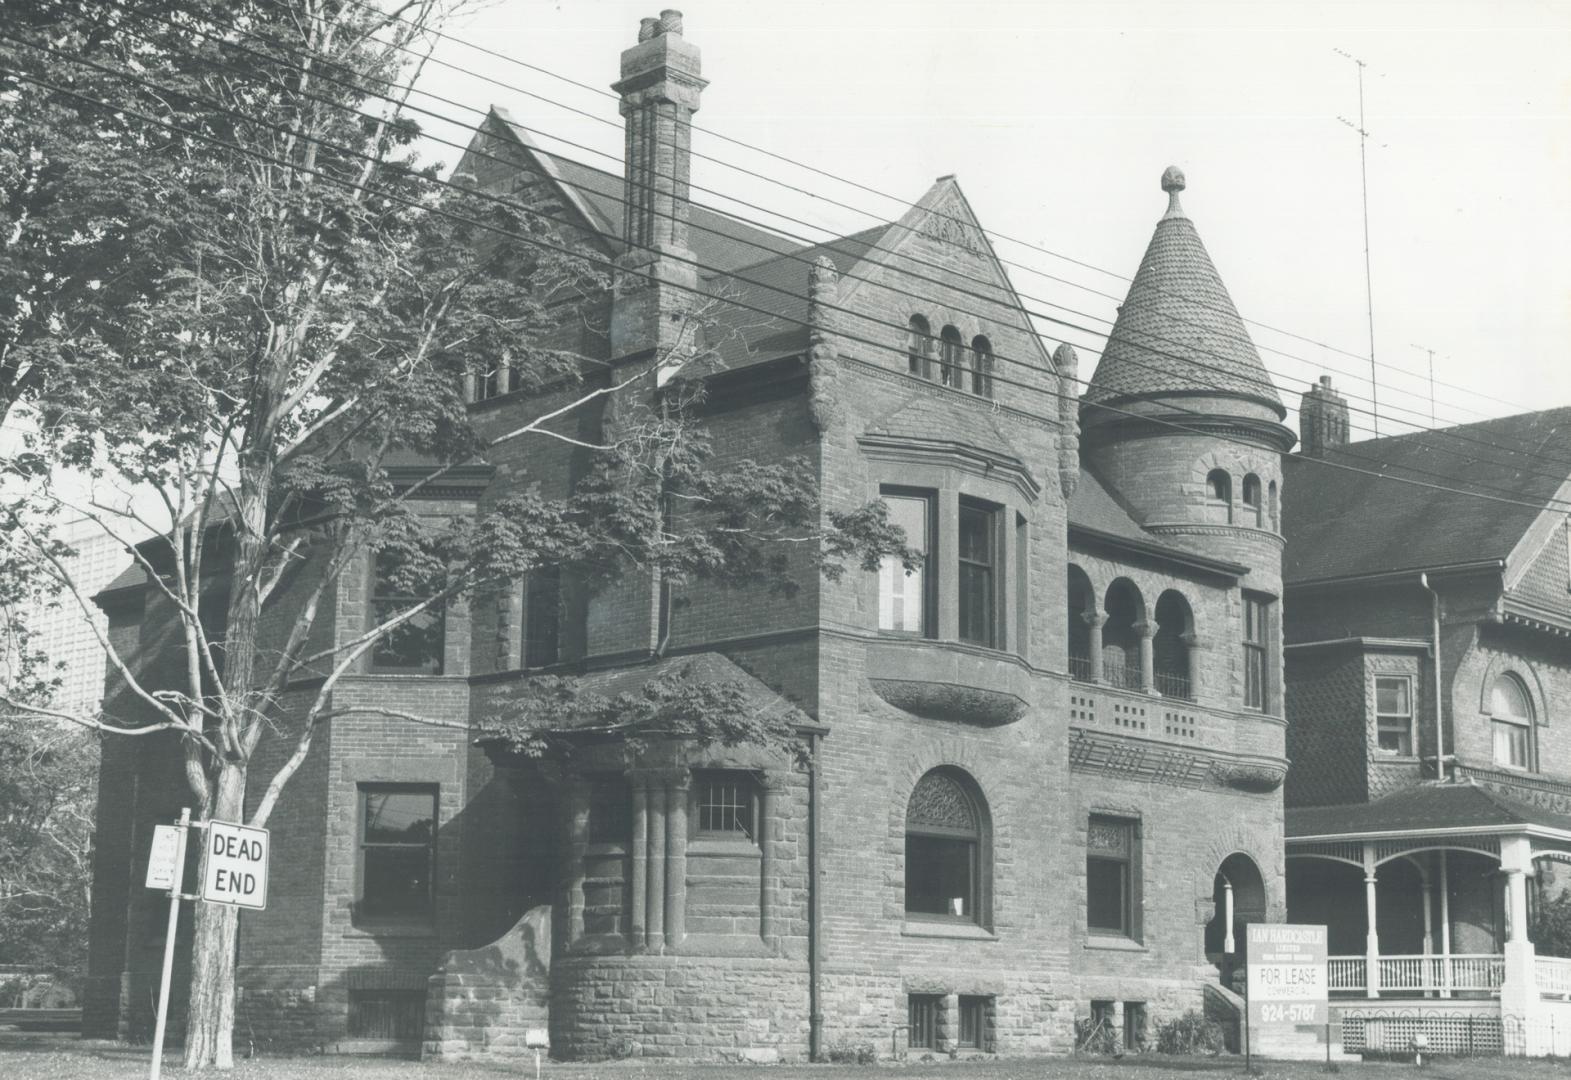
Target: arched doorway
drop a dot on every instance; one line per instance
(1237, 888)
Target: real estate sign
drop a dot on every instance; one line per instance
(1287, 975)
(236, 865)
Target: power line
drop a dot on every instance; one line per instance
(1482, 492)
(1316, 364)
(699, 267)
(797, 256)
(443, 35)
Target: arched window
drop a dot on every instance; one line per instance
(919, 343)
(1276, 521)
(1254, 507)
(952, 357)
(1170, 651)
(982, 371)
(1120, 636)
(1219, 496)
(1082, 603)
(1511, 717)
(946, 848)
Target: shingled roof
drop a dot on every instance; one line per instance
(1178, 331)
(1345, 523)
(1423, 807)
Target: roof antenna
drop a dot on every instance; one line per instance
(1431, 352)
(1369, 296)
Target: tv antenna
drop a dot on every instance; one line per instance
(1369, 291)
(1431, 352)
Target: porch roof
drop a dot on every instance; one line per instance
(1424, 809)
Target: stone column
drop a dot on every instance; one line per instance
(1096, 620)
(654, 919)
(640, 860)
(577, 843)
(1192, 646)
(676, 859)
(1372, 937)
(1147, 631)
(769, 801)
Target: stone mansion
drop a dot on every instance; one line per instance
(1047, 767)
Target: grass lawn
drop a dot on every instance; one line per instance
(66, 1059)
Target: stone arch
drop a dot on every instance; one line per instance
(1239, 874)
(1126, 614)
(1525, 672)
(1175, 626)
(1252, 501)
(1080, 603)
(948, 848)
(958, 758)
(1273, 507)
(982, 362)
(951, 357)
(919, 345)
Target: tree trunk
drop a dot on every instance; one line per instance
(210, 1021)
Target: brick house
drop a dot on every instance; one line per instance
(1425, 876)
(1046, 766)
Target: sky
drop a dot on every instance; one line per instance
(1058, 119)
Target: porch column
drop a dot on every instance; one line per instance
(577, 842)
(1429, 926)
(1372, 937)
(1147, 631)
(1445, 926)
(1229, 946)
(769, 798)
(640, 889)
(1519, 994)
(1192, 647)
(654, 917)
(676, 859)
(1096, 620)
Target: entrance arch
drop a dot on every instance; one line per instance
(1239, 876)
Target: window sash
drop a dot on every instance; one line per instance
(978, 580)
(542, 617)
(725, 806)
(1255, 626)
(1512, 745)
(1108, 895)
(397, 877)
(922, 1015)
(1394, 714)
(905, 597)
(939, 871)
(971, 1012)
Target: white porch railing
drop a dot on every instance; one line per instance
(1471, 972)
(1553, 976)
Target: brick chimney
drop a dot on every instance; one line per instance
(1322, 419)
(660, 87)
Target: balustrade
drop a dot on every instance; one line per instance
(1402, 975)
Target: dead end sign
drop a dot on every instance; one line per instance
(236, 865)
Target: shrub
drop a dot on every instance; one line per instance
(1191, 1033)
(1093, 1036)
(850, 1053)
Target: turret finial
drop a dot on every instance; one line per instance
(1173, 183)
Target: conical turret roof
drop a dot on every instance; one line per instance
(1178, 331)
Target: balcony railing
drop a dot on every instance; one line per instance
(1124, 676)
(1553, 976)
(1470, 972)
(1080, 667)
(1174, 685)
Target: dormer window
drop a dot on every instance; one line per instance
(1219, 497)
(982, 366)
(1254, 507)
(952, 358)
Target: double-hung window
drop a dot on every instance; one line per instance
(542, 616)
(397, 851)
(1257, 612)
(400, 583)
(1394, 714)
(906, 596)
(1511, 719)
(1112, 876)
(978, 585)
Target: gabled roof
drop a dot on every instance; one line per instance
(1423, 808)
(1340, 523)
(1178, 331)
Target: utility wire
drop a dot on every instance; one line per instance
(1483, 492)
(442, 35)
(773, 254)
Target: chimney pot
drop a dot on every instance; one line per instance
(648, 28)
(671, 22)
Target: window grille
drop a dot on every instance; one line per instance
(725, 805)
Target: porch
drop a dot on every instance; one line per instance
(1426, 894)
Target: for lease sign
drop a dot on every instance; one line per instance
(236, 865)
(1287, 974)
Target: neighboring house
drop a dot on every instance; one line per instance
(1047, 763)
(1423, 875)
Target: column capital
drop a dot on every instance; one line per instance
(1145, 628)
(1094, 619)
(660, 776)
(1192, 640)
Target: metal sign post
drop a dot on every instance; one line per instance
(537, 1039)
(160, 868)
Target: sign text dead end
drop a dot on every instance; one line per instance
(236, 865)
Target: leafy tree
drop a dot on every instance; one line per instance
(282, 381)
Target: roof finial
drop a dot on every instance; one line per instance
(1173, 183)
